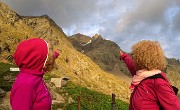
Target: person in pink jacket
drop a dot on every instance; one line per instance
(29, 91)
(148, 92)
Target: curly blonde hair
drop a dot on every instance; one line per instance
(148, 55)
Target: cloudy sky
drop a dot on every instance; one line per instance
(122, 21)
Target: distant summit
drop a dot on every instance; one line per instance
(104, 52)
(97, 36)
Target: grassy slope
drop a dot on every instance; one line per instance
(89, 99)
(92, 100)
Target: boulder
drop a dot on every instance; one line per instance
(59, 82)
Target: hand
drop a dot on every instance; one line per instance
(120, 53)
(56, 53)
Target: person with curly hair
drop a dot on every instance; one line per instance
(29, 91)
(151, 89)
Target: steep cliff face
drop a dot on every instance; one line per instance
(78, 67)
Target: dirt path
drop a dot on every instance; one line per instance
(5, 104)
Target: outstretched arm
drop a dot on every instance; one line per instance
(128, 61)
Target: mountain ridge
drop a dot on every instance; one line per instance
(79, 68)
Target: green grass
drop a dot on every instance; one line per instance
(6, 76)
(91, 100)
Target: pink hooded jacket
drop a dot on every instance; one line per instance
(151, 94)
(29, 91)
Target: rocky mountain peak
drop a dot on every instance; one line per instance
(97, 36)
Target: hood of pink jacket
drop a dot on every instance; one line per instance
(31, 54)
